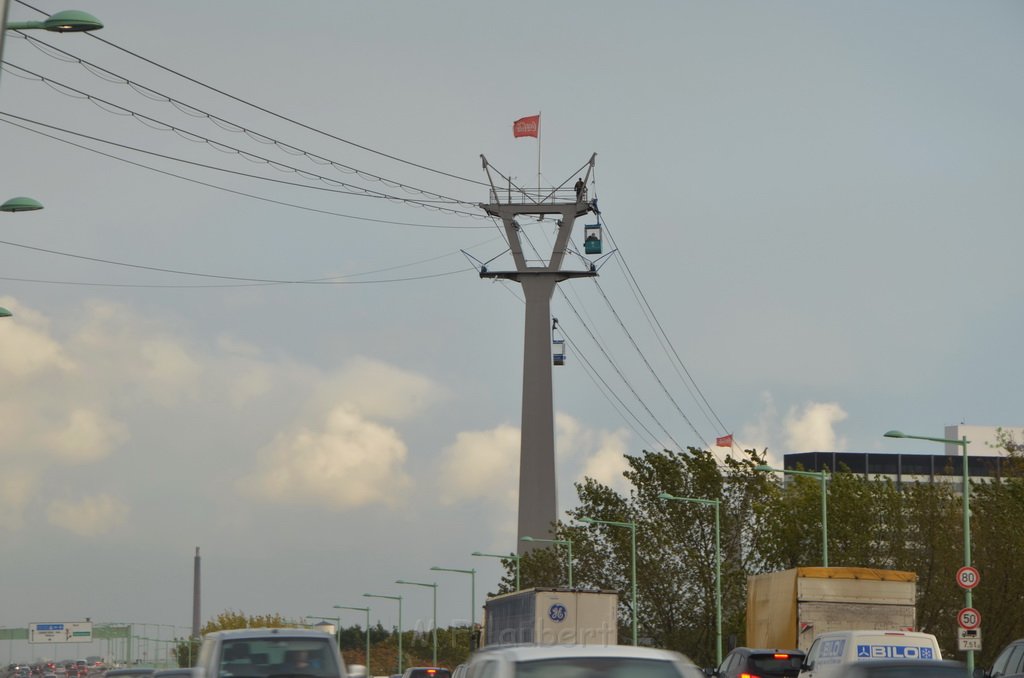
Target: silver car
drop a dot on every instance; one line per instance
(579, 661)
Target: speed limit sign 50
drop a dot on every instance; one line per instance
(968, 618)
(967, 577)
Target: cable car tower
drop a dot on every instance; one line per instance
(538, 506)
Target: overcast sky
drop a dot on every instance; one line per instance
(820, 201)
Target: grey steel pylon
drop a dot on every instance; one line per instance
(538, 504)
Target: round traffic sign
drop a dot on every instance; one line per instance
(967, 577)
(968, 618)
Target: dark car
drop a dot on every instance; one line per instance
(129, 673)
(748, 662)
(901, 668)
(1009, 663)
(426, 672)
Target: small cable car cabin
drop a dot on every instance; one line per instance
(558, 351)
(592, 238)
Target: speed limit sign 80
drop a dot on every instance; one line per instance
(967, 577)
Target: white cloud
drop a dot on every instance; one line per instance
(812, 428)
(89, 517)
(165, 364)
(350, 462)
(760, 433)
(378, 390)
(17, 486)
(28, 346)
(808, 428)
(86, 436)
(123, 346)
(485, 464)
(482, 464)
(602, 452)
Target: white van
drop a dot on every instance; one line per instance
(831, 650)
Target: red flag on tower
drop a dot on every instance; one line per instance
(527, 127)
(724, 441)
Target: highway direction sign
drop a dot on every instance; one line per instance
(60, 632)
(967, 577)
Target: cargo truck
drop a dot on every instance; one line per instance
(788, 609)
(552, 616)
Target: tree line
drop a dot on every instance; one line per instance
(769, 525)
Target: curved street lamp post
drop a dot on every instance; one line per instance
(718, 564)
(966, 493)
(511, 556)
(561, 542)
(472, 596)
(432, 586)
(823, 476)
(399, 599)
(367, 611)
(632, 530)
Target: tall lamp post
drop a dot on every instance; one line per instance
(632, 531)
(511, 556)
(399, 599)
(324, 620)
(21, 204)
(823, 476)
(472, 589)
(966, 493)
(562, 542)
(432, 586)
(367, 611)
(472, 596)
(718, 564)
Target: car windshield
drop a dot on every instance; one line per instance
(596, 667)
(776, 664)
(277, 656)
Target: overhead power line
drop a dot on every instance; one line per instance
(333, 280)
(221, 122)
(672, 353)
(205, 183)
(252, 157)
(257, 107)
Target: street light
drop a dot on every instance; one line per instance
(433, 586)
(21, 204)
(563, 542)
(68, 21)
(367, 611)
(966, 493)
(718, 564)
(512, 556)
(472, 596)
(823, 476)
(632, 529)
(324, 620)
(399, 599)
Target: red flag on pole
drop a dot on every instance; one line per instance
(724, 441)
(526, 127)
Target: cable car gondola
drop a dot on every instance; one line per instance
(592, 237)
(557, 344)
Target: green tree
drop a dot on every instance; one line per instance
(675, 546)
(769, 525)
(186, 650)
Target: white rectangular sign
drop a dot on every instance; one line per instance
(60, 632)
(968, 639)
